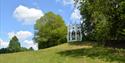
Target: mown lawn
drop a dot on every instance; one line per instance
(66, 53)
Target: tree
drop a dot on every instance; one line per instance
(14, 44)
(31, 49)
(24, 49)
(103, 19)
(4, 50)
(50, 30)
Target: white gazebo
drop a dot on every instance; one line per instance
(74, 33)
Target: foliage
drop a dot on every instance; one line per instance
(25, 49)
(50, 30)
(5, 50)
(9, 50)
(14, 44)
(103, 19)
(31, 49)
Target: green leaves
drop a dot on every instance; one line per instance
(105, 19)
(50, 29)
(14, 44)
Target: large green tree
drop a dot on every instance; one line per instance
(14, 44)
(103, 19)
(50, 30)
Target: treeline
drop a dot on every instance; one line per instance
(103, 20)
(50, 30)
(14, 46)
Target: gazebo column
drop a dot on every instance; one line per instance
(80, 36)
(70, 36)
(75, 36)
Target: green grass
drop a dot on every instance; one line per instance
(66, 53)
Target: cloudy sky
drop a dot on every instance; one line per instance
(17, 17)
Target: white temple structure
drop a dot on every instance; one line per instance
(74, 33)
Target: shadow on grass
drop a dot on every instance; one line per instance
(83, 43)
(106, 54)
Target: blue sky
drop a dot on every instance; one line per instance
(17, 17)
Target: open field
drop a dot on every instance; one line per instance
(66, 53)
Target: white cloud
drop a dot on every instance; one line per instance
(3, 44)
(21, 35)
(27, 15)
(60, 10)
(57, 0)
(30, 43)
(66, 2)
(75, 15)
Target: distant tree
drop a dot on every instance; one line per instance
(14, 44)
(24, 49)
(4, 50)
(50, 30)
(31, 49)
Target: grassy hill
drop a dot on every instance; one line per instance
(65, 53)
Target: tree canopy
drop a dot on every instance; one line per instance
(50, 30)
(14, 44)
(103, 19)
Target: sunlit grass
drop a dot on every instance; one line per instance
(58, 54)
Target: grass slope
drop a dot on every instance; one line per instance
(64, 53)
